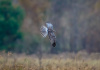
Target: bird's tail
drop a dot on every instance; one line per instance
(54, 44)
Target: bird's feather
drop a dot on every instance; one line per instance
(44, 31)
(50, 32)
(49, 26)
(52, 37)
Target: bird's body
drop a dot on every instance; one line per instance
(50, 32)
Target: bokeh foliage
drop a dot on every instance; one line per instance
(76, 23)
(11, 18)
(36, 9)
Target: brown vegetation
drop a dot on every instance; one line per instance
(68, 61)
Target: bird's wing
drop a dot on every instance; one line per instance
(49, 26)
(52, 38)
(44, 31)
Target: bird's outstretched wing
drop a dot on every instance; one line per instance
(44, 31)
(50, 32)
(49, 26)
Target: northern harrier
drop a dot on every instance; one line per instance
(50, 32)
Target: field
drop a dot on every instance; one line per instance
(64, 61)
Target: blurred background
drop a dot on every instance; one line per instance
(77, 25)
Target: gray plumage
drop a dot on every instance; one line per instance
(50, 32)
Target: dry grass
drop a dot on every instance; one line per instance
(69, 61)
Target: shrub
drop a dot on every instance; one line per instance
(11, 18)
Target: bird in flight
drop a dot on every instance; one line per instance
(50, 32)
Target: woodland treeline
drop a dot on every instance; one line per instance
(76, 23)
